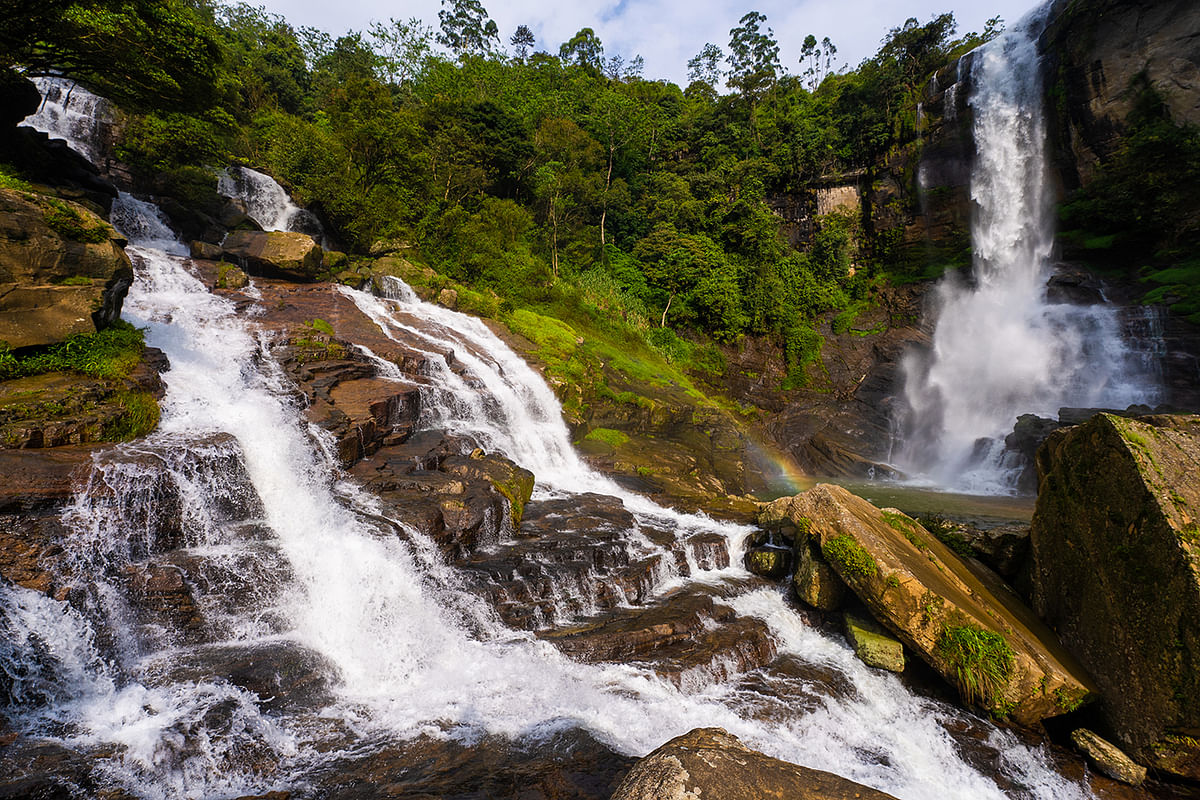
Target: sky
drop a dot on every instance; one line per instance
(666, 33)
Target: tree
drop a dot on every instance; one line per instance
(584, 49)
(753, 57)
(467, 28)
(401, 48)
(142, 53)
(817, 60)
(706, 65)
(522, 39)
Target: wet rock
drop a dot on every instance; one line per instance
(162, 598)
(1115, 546)
(874, 646)
(510, 480)
(1107, 757)
(231, 277)
(448, 298)
(63, 270)
(293, 256)
(974, 632)
(709, 762)
(767, 561)
(204, 250)
(1072, 284)
(285, 675)
(815, 582)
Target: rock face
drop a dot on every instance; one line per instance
(966, 625)
(63, 270)
(1095, 51)
(1116, 570)
(709, 762)
(283, 254)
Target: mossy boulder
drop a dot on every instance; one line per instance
(275, 254)
(965, 624)
(63, 270)
(1116, 571)
(874, 646)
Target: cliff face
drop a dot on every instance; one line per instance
(1097, 54)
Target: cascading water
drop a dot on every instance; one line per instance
(267, 203)
(72, 113)
(293, 561)
(1001, 347)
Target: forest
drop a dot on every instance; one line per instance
(555, 178)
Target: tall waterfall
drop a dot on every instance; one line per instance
(297, 562)
(1001, 348)
(74, 114)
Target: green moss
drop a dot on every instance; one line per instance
(10, 178)
(893, 582)
(948, 534)
(1067, 701)
(607, 435)
(140, 417)
(849, 556)
(70, 224)
(982, 661)
(320, 326)
(75, 280)
(110, 353)
(906, 527)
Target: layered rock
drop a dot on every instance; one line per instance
(710, 762)
(63, 270)
(1116, 571)
(963, 623)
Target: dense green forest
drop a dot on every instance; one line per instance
(546, 176)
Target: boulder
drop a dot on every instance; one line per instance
(709, 762)
(19, 97)
(1107, 757)
(815, 582)
(768, 561)
(873, 646)
(275, 254)
(963, 623)
(1116, 571)
(63, 270)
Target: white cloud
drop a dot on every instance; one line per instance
(669, 32)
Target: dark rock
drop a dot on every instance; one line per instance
(205, 250)
(769, 562)
(19, 97)
(709, 762)
(1075, 285)
(284, 675)
(1115, 546)
(814, 581)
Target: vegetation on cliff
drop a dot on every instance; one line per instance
(544, 177)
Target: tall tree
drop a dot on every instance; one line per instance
(705, 66)
(522, 40)
(401, 48)
(466, 28)
(753, 57)
(584, 49)
(817, 60)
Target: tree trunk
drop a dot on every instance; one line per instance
(663, 323)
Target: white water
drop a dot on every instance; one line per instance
(410, 651)
(266, 202)
(1001, 348)
(72, 113)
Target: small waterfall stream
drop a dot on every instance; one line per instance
(1001, 347)
(237, 495)
(267, 203)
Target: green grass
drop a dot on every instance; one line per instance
(141, 414)
(849, 556)
(320, 326)
(982, 661)
(111, 353)
(609, 436)
(75, 280)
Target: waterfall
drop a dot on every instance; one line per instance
(72, 113)
(267, 203)
(1001, 348)
(237, 496)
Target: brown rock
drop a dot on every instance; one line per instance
(284, 254)
(205, 250)
(36, 258)
(1107, 757)
(711, 763)
(972, 630)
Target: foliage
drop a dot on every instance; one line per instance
(609, 436)
(111, 353)
(70, 224)
(982, 661)
(140, 415)
(849, 556)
